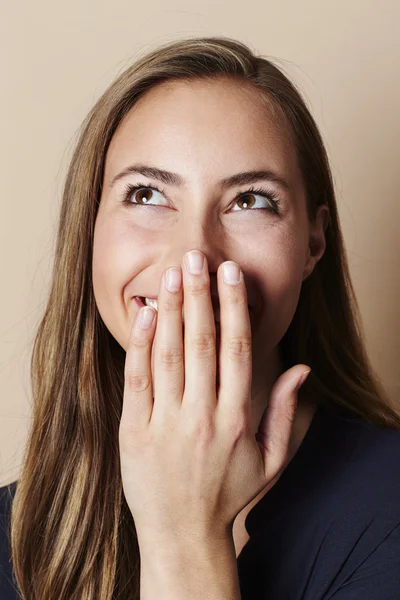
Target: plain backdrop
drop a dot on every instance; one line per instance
(57, 58)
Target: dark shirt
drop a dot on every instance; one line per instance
(8, 586)
(329, 529)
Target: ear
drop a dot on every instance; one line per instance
(317, 242)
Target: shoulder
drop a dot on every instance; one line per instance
(370, 463)
(330, 527)
(356, 473)
(7, 583)
(360, 488)
(7, 493)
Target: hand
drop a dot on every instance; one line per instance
(189, 460)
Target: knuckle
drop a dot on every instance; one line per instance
(236, 298)
(139, 342)
(277, 447)
(170, 358)
(137, 382)
(203, 345)
(284, 414)
(201, 429)
(239, 347)
(199, 288)
(237, 426)
(171, 303)
(131, 438)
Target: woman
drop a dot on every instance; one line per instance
(171, 461)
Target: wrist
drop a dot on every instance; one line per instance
(173, 565)
(181, 545)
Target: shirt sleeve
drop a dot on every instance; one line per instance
(378, 576)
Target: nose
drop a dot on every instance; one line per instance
(209, 244)
(203, 232)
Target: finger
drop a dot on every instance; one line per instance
(275, 429)
(138, 392)
(200, 336)
(168, 352)
(235, 366)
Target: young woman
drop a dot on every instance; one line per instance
(167, 459)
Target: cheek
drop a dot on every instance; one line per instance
(282, 281)
(104, 257)
(112, 264)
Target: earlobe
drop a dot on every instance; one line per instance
(309, 266)
(317, 242)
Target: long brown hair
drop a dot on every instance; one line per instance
(73, 536)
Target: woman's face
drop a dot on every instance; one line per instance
(204, 132)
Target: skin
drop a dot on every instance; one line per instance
(206, 131)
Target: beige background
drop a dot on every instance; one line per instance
(58, 57)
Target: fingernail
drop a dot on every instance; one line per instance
(194, 262)
(302, 379)
(146, 317)
(231, 273)
(173, 279)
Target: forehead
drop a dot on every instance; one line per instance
(203, 126)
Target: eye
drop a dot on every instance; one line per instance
(143, 198)
(246, 200)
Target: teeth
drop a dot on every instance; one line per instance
(154, 304)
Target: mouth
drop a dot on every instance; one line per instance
(144, 301)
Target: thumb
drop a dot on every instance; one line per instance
(275, 428)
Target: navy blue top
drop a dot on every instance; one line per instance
(329, 529)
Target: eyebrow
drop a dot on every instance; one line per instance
(176, 180)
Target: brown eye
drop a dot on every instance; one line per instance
(143, 196)
(247, 201)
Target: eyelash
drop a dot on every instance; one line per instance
(271, 196)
